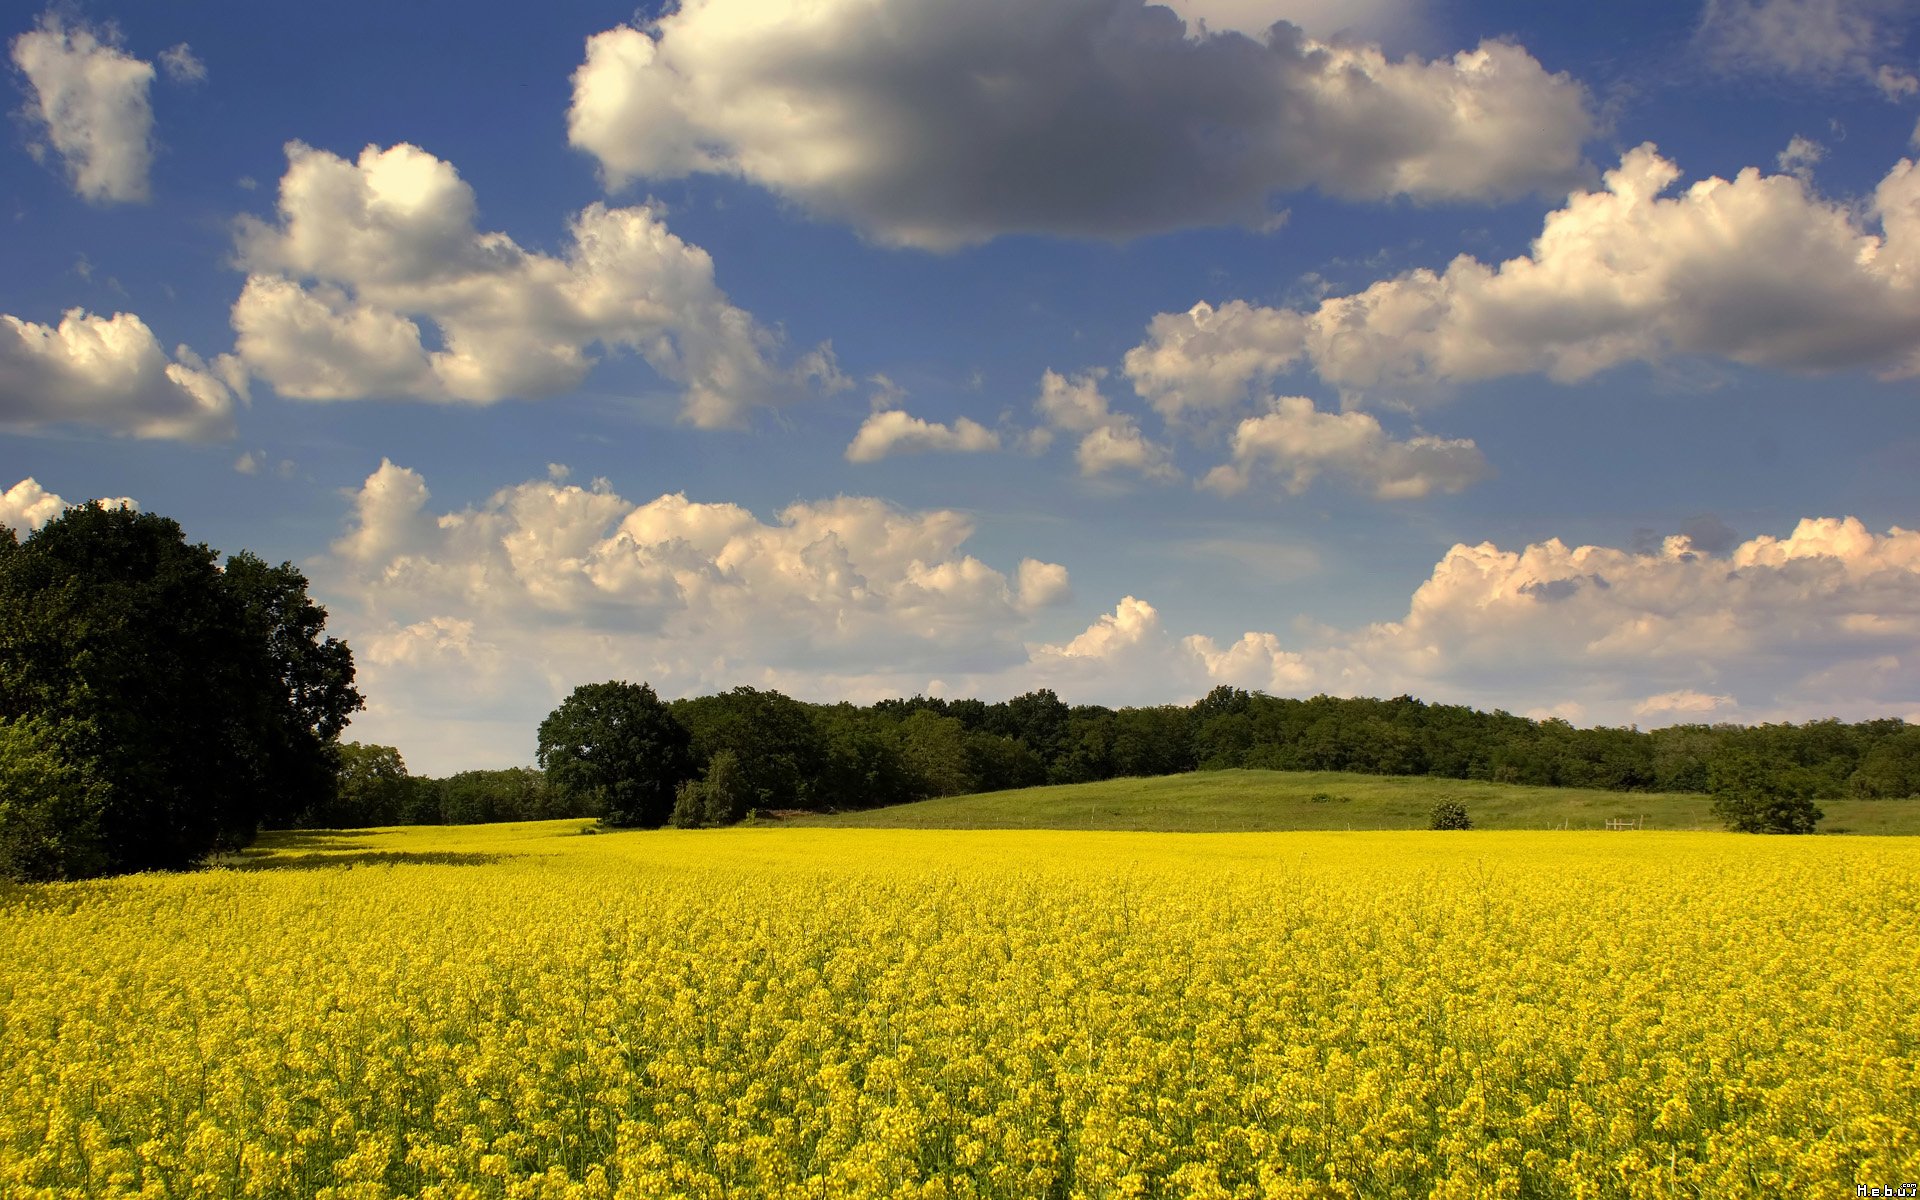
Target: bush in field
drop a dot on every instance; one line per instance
(1449, 814)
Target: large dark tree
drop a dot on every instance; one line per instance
(615, 750)
(187, 699)
(307, 680)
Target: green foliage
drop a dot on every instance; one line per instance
(864, 764)
(721, 798)
(777, 745)
(689, 805)
(371, 787)
(1449, 814)
(197, 703)
(309, 694)
(726, 798)
(1752, 796)
(481, 797)
(935, 751)
(1891, 769)
(49, 809)
(1040, 720)
(616, 750)
(842, 757)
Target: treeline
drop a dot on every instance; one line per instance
(376, 789)
(712, 759)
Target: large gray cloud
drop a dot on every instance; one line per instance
(938, 123)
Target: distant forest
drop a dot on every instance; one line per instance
(793, 755)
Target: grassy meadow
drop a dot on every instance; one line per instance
(528, 1011)
(1216, 801)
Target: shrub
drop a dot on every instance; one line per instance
(1450, 814)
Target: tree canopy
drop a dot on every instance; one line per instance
(616, 750)
(183, 705)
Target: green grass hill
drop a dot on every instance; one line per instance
(1221, 801)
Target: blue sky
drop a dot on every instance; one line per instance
(1559, 361)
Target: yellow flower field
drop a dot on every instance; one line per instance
(523, 1011)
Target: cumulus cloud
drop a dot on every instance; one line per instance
(1041, 584)
(1109, 441)
(547, 585)
(110, 372)
(939, 123)
(892, 431)
(1297, 442)
(363, 252)
(90, 101)
(26, 506)
(1321, 19)
(473, 621)
(1823, 40)
(1757, 270)
(1825, 621)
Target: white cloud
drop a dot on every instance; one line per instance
(1041, 584)
(390, 241)
(1201, 363)
(1824, 40)
(1757, 270)
(472, 622)
(109, 372)
(1825, 621)
(1821, 623)
(1498, 627)
(892, 431)
(1109, 441)
(90, 102)
(182, 65)
(939, 123)
(1799, 157)
(1298, 442)
(505, 606)
(26, 506)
